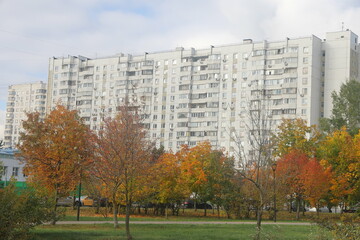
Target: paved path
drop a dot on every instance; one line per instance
(183, 222)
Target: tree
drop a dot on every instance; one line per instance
(316, 182)
(289, 174)
(346, 109)
(20, 212)
(254, 153)
(193, 164)
(123, 155)
(294, 134)
(294, 143)
(340, 151)
(168, 185)
(55, 150)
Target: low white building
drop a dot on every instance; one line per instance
(12, 168)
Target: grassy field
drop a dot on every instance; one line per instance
(88, 214)
(174, 232)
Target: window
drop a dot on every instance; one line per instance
(305, 60)
(304, 91)
(305, 70)
(304, 101)
(304, 81)
(4, 173)
(305, 50)
(15, 172)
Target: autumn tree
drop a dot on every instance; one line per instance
(340, 151)
(295, 143)
(55, 150)
(289, 174)
(316, 181)
(123, 153)
(253, 150)
(193, 163)
(168, 185)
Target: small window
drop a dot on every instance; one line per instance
(15, 172)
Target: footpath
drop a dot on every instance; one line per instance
(185, 222)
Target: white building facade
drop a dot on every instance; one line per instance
(190, 95)
(22, 98)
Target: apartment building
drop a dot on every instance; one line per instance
(191, 95)
(22, 98)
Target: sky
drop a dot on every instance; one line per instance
(33, 31)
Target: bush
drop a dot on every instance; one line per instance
(348, 228)
(20, 211)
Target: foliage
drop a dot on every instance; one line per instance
(123, 155)
(294, 134)
(168, 187)
(1, 170)
(347, 229)
(346, 109)
(20, 212)
(340, 151)
(55, 149)
(316, 182)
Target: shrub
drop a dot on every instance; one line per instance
(347, 229)
(20, 211)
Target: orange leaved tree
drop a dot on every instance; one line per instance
(123, 154)
(55, 150)
(316, 181)
(289, 171)
(340, 151)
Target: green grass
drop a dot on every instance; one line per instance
(173, 232)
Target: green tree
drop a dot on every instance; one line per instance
(294, 134)
(20, 212)
(346, 109)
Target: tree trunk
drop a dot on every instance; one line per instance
(115, 208)
(53, 221)
(127, 220)
(97, 206)
(218, 211)
(258, 218)
(303, 208)
(205, 211)
(166, 211)
(297, 209)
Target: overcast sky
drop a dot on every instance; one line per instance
(33, 31)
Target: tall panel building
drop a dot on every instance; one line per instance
(191, 95)
(22, 98)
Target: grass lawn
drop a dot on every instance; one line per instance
(173, 232)
(88, 214)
